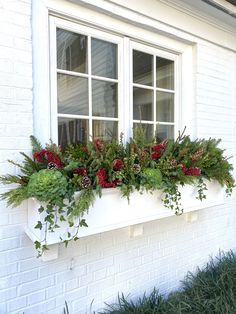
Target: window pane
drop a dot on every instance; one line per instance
(142, 104)
(105, 130)
(148, 129)
(142, 68)
(72, 93)
(104, 58)
(104, 99)
(165, 107)
(165, 73)
(71, 51)
(72, 131)
(164, 132)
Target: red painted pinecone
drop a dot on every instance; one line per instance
(85, 183)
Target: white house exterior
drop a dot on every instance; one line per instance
(198, 38)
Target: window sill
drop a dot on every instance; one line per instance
(111, 211)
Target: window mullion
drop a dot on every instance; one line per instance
(53, 78)
(154, 94)
(90, 86)
(126, 104)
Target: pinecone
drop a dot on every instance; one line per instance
(198, 154)
(136, 168)
(52, 165)
(85, 183)
(173, 163)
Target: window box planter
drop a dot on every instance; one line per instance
(111, 211)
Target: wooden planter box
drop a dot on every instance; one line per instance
(111, 211)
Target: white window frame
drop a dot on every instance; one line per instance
(125, 47)
(89, 32)
(146, 48)
(142, 30)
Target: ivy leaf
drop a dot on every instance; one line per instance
(39, 225)
(71, 223)
(40, 209)
(45, 248)
(62, 218)
(37, 245)
(83, 223)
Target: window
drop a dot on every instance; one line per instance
(153, 93)
(104, 84)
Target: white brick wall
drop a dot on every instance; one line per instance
(94, 269)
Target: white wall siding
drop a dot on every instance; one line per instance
(15, 127)
(94, 269)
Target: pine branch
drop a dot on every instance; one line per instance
(12, 179)
(29, 165)
(36, 145)
(15, 197)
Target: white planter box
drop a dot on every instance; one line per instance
(111, 211)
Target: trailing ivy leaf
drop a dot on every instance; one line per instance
(40, 209)
(45, 248)
(39, 225)
(62, 218)
(37, 245)
(83, 223)
(71, 224)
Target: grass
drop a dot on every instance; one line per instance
(211, 290)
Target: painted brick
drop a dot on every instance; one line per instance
(17, 304)
(41, 307)
(9, 244)
(36, 297)
(8, 294)
(44, 283)
(9, 269)
(56, 290)
(96, 268)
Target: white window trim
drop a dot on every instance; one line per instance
(147, 48)
(90, 32)
(41, 63)
(125, 107)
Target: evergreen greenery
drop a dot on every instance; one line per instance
(53, 177)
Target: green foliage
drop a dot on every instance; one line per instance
(151, 178)
(85, 200)
(15, 196)
(35, 144)
(211, 290)
(152, 304)
(53, 177)
(66, 309)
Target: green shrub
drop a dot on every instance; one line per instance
(211, 290)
